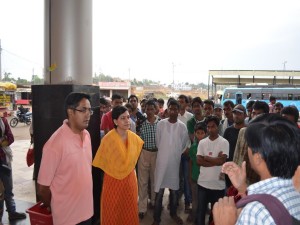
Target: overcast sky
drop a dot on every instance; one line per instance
(143, 39)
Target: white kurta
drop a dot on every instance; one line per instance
(171, 140)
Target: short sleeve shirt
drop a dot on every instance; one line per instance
(66, 168)
(107, 122)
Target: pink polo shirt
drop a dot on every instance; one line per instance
(66, 167)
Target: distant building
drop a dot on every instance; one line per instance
(109, 88)
(181, 87)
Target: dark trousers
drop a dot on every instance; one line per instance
(204, 197)
(86, 222)
(185, 163)
(158, 204)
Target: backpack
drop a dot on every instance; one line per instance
(277, 210)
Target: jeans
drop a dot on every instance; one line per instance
(8, 194)
(185, 160)
(158, 204)
(204, 197)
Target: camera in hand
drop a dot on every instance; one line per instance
(140, 120)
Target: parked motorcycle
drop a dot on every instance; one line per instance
(21, 117)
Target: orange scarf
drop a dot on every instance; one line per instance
(114, 157)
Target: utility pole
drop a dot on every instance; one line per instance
(0, 61)
(284, 64)
(173, 66)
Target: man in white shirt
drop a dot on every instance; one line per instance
(211, 155)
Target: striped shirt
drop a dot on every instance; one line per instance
(283, 189)
(147, 133)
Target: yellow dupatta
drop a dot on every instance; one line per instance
(114, 158)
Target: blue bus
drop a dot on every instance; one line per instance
(242, 95)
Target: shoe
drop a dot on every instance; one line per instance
(141, 215)
(187, 208)
(16, 216)
(177, 220)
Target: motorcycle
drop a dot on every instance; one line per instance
(22, 117)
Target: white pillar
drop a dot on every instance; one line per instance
(68, 42)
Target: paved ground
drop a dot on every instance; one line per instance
(24, 187)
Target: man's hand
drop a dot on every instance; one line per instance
(237, 175)
(225, 211)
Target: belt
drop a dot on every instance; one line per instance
(151, 150)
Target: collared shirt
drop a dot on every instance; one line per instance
(283, 189)
(185, 117)
(191, 124)
(147, 133)
(66, 167)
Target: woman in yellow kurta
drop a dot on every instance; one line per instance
(117, 156)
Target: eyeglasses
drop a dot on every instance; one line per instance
(84, 110)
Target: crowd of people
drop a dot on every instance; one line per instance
(223, 160)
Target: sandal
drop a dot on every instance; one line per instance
(177, 220)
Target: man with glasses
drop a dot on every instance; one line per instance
(65, 176)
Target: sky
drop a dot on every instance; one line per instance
(162, 40)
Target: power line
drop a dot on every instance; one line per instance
(21, 57)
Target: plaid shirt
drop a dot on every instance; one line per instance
(147, 133)
(283, 189)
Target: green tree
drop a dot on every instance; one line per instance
(36, 80)
(22, 81)
(7, 77)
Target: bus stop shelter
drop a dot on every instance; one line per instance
(252, 77)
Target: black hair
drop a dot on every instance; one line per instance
(278, 142)
(103, 101)
(72, 100)
(133, 96)
(213, 118)
(128, 106)
(200, 126)
(278, 104)
(272, 98)
(229, 103)
(143, 100)
(117, 111)
(150, 102)
(116, 96)
(170, 99)
(250, 104)
(197, 100)
(261, 105)
(291, 110)
(173, 102)
(161, 101)
(209, 102)
(186, 99)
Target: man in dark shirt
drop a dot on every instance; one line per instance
(231, 133)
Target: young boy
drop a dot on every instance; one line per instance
(200, 133)
(147, 160)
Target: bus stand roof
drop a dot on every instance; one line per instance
(243, 77)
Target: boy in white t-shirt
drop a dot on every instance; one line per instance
(211, 155)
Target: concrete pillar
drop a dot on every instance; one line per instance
(68, 42)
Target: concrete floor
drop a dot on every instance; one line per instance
(24, 186)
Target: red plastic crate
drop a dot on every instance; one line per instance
(39, 215)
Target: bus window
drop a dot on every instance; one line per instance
(290, 96)
(297, 97)
(238, 98)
